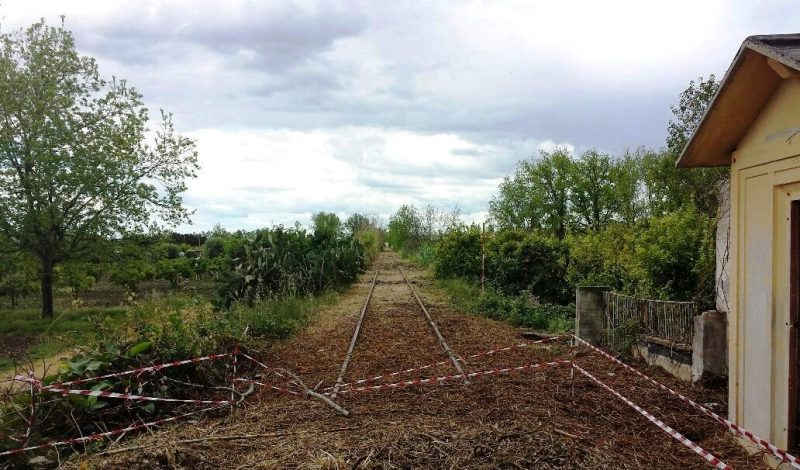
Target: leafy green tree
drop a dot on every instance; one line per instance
(518, 205)
(78, 276)
(356, 223)
(593, 199)
(538, 195)
(405, 228)
(17, 277)
(698, 185)
(75, 161)
(629, 201)
(689, 111)
(327, 225)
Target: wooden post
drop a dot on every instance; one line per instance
(483, 257)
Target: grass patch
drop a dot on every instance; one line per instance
(40, 338)
(521, 310)
(280, 318)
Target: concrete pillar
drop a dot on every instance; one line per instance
(589, 312)
(710, 345)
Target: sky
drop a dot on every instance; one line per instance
(361, 106)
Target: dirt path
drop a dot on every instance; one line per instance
(523, 420)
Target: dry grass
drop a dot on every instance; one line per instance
(541, 419)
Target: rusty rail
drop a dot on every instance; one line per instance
(436, 331)
(340, 379)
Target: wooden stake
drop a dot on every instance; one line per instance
(438, 334)
(483, 257)
(353, 340)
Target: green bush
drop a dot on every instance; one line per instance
(214, 247)
(519, 262)
(675, 254)
(458, 254)
(605, 258)
(520, 310)
(425, 254)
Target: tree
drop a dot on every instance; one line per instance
(17, 277)
(689, 112)
(326, 225)
(405, 228)
(629, 200)
(593, 197)
(75, 161)
(537, 195)
(356, 223)
(699, 185)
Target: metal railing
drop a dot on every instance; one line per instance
(672, 321)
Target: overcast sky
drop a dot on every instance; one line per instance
(304, 106)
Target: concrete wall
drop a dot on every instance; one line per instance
(676, 362)
(765, 178)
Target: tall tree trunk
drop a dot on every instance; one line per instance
(47, 288)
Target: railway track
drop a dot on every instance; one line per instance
(453, 358)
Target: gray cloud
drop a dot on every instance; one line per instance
(411, 101)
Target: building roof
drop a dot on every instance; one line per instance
(758, 68)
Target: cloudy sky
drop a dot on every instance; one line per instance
(302, 106)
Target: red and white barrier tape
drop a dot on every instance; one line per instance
(441, 363)
(140, 370)
(762, 443)
(128, 396)
(442, 379)
(262, 365)
(273, 387)
(97, 437)
(714, 461)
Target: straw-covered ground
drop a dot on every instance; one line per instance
(534, 419)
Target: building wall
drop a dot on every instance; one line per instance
(765, 178)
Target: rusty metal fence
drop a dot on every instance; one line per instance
(671, 321)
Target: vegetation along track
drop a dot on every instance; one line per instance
(539, 419)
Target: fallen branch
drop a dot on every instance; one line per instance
(311, 393)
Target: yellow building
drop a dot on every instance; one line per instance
(753, 125)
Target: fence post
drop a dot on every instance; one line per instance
(710, 345)
(589, 313)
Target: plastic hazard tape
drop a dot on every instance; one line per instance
(762, 443)
(128, 396)
(262, 365)
(441, 363)
(141, 370)
(710, 458)
(261, 384)
(443, 379)
(97, 437)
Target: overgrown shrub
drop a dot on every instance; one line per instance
(517, 261)
(291, 262)
(458, 254)
(521, 310)
(675, 253)
(605, 258)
